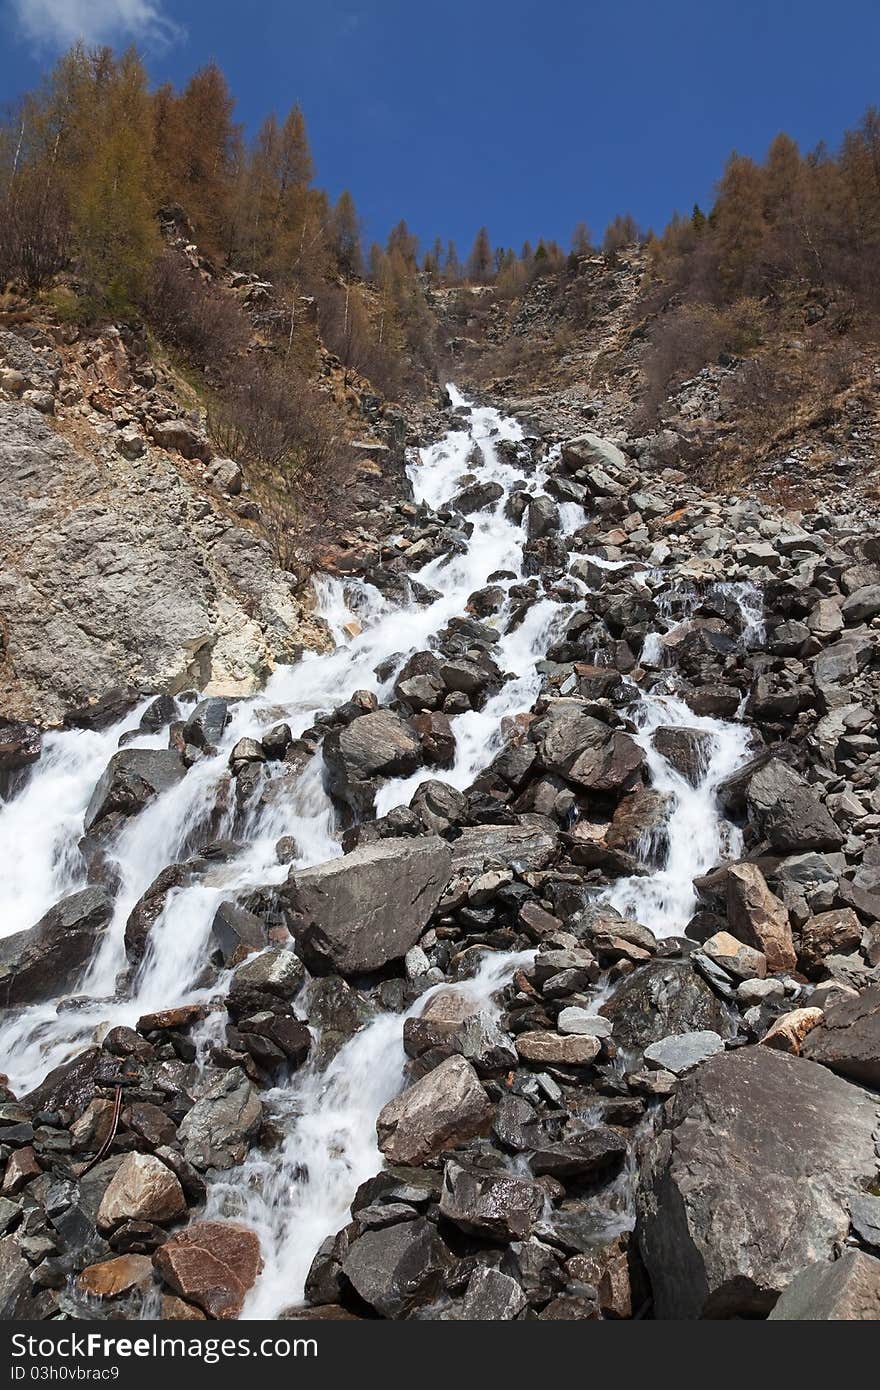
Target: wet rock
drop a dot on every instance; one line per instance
(132, 778)
(216, 1132)
(375, 746)
(733, 1201)
(847, 1290)
(48, 959)
(848, 1040)
(491, 1296)
(438, 806)
(684, 1051)
(477, 497)
(149, 908)
(663, 997)
(356, 914)
(579, 1155)
(204, 728)
(453, 1023)
(443, 1109)
(436, 737)
(277, 971)
(142, 1189)
(213, 1264)
(235, 931)
(585, 751)
(19, 746)
(398, 1268)
(758, 917)
(490, 1202)
(687, 750)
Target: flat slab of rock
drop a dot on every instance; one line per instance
(681, 1052)
(524, 847)
(446, 1107)
(114, 1278)
(846, 1291)
(212, 1264)
(355, 914)
(48, 959)
(572, 1050)
(751, 1182)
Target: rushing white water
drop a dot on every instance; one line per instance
(41, 827)
(697, 837)
(298, 1195)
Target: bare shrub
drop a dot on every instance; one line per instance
(277, 424)
(200, 321)
(35, 239)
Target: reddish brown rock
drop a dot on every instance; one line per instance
(757, 916)
(113, 1278)
(212, 1264)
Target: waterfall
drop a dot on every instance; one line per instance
(299, 1194)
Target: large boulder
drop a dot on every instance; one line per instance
(371, 747)
(143, 1188)
(661, 998)
(585, 751)
(131, 779)
(848, 1039)
(751, 1182)
(355, 914)
(48, 959)
(443, 1109)
(787, 811)
(490, 1202)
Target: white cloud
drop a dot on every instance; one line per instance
(59, 23)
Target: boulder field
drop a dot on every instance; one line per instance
(540, 959)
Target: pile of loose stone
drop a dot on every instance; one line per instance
(682, 1127)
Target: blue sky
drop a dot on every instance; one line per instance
(524, 116)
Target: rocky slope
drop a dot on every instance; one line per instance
(583, 1022)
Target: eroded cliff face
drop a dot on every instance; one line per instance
(132, 558)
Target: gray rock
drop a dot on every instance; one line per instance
(491, 1297)
(369, 748)
(683, 1051)
(751, 1182)
(666, 996)
(490, 1202)
(216, 1132)
(356, 913)
(398, 1268)
(788, 811)
(48, 959)
(861, 606)
(132, 778)
(847, 1290)
(575, 1020)
(865, 1213)
(687, 750)
(111, 582)
(848, 1040)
